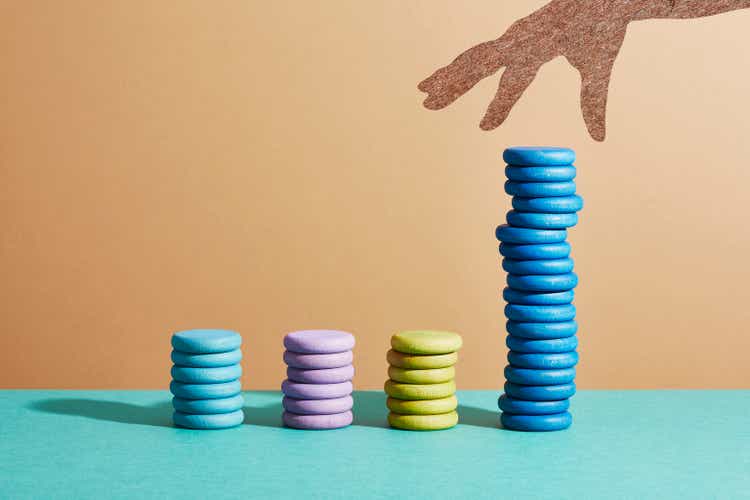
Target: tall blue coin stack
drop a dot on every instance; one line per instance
(206, 379)
(539, 377)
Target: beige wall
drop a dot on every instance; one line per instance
(267, 166)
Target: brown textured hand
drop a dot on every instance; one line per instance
(589, 33)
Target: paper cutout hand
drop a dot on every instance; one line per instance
(589, 33)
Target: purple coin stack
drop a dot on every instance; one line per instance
(318, 388)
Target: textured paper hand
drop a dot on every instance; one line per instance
(589, 33)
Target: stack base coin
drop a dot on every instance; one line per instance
(536, 423)
(317, 422)
(215, 421)
(423, 422)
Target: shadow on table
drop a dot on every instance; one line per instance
(369, 409)
(479, 417)
(266, 412)
(159, 415)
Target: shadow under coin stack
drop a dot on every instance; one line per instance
(541, 317)
(421, 386)
(318, 388)
(206, 379)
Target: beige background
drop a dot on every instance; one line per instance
(267, 166)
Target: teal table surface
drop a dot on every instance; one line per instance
(623, 444)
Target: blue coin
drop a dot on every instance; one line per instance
(528, 376)
(206, 341)
(540, 392)
(536, 220)
(190, 375)
(533, 252)
(207, 360)
(551, 205)
(209, 406)
(524, 235)
(540, 314)
(521, 344)
(215, 421)
(205, 391)
(536, 423)
(513, 296)
(543, 283)
(540, 189)
(542, 330)
(523, 407)
(540, 174)
(538, 266)
(551, 361)
(539, 155)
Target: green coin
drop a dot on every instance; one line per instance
(421, 361)
(423, 407)
(426, 342)
(419, 391)
(423, 422)
(434, 376)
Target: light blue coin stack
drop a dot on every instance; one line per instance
(206, 379)
(539, 378)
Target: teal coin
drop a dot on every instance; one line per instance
(521, 344)
(207, 360)
(190, 375)
(513, 296)
(540, 189)
(208, 406)
(554, 205)
(523, 407)
(545, 251)
(541, 220)
(538, 266)
(540, 174)
(539, 156)
(528, 376)
(537, 423)
(546, 361)
(554, 330)
(526, 236)
(543, 283)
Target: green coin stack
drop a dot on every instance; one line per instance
(421, 387)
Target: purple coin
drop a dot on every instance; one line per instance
(317, 406)
(317, 422)
(318, 361)
(323, 376)
(316, 391)
(319, 341)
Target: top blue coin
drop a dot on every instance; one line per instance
(204, 341)
(539, 156)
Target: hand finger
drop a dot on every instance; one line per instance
(594, 90)
(515, 80)
(451, 82)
